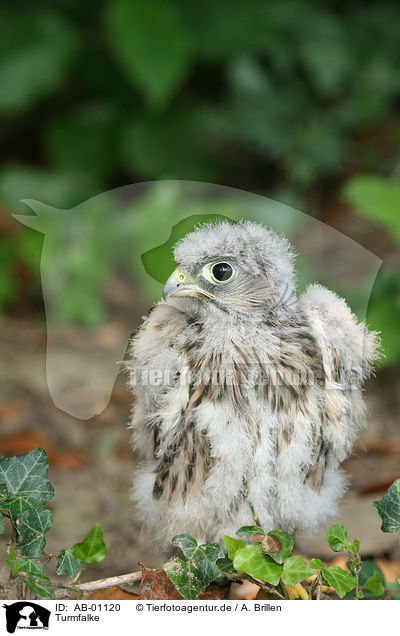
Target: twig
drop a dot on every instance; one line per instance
(319, 586)
(103, 584)
(314, 584)
(264, 586)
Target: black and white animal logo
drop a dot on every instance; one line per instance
(26, 615)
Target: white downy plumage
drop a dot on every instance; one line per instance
(247, 397)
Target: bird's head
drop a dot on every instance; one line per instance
(241, 268)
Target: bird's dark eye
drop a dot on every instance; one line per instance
(222, 271)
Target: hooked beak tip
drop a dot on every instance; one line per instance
(175, 288)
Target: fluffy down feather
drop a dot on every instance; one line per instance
(242, 412)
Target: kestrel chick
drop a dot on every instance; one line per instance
(247, 397)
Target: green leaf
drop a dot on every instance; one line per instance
(295, 569)
(92, 548)
(202, 556)
(251, 560)
(2, 524)
(369, 570)
(233, 545)
(341, 580)
(317, 564)
(337, 538)
(186, 543)
(389, 508)
(32, 525)
(37, 581)
(246, 531)
(375, 584)
(185, 576)
(31, 566)
(224, 565)
(286, 543)
(11, 560)
(67, 564)
(25, 482)
(398, 581)
(190, 578)
(352, 565)
(40, 588)
(152, 44)
(354, 547)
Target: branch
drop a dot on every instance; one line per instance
(102, 584)
(319, 586)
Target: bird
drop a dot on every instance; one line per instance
(248, 395)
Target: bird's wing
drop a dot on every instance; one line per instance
(348, 352)
(348, 348)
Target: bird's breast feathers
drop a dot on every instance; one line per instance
(254, 390)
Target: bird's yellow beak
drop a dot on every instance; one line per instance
(181, 284)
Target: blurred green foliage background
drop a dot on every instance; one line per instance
(298, 100)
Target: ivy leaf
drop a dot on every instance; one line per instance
(337, 538)
(25, 483)
(191, 578)
(32, 525)
(186, 543)
(339, 579)
(37, 581)
(295, 569)
(152, 44)
(67, 564)
(247, 531)
(253, 561)
(286, 545)
(40, 588)
(92, 549)
(389, 508)
(186, 578)
(233, 545)
(11, 560)
(2, 524)
(224, 565)
(202, 556)
(31, 566)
